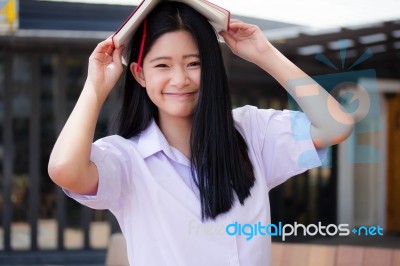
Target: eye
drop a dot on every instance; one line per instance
(194, 64)
(161, 65)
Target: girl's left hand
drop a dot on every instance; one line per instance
(245, 40)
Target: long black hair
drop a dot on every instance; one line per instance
(220, 162)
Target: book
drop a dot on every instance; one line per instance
(217, 16)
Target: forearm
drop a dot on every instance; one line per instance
(69, 162)
(330, 125)
(69, 165)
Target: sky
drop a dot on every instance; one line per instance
(315, 14)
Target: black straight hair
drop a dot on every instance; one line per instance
(220, 163)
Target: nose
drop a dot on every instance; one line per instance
(179, 77)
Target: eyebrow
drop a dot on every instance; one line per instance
(169, 58)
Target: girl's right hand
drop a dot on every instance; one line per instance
(105, 68)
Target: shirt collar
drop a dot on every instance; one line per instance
(152, 140)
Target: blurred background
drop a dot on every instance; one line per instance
(44, 48)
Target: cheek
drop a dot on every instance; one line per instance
(154, 86)
(195, 77)
(153, 94)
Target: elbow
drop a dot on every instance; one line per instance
(332, 133)
(72, 177)
(343, 130)
(55, 172)
(61, 174)
(348, 126)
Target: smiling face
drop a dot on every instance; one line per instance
(171, 75)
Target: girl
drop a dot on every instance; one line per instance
(183, 166)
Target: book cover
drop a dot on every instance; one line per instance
(217, 16)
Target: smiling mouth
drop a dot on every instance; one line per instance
(179, 94)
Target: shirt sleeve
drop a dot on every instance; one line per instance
(283, 141)
(111, 159)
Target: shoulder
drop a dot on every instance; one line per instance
(146, 143)
(253, 112)
(115, 144)
(115, 140)
(269, 123)
(251, 117)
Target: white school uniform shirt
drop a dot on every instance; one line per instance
(147, 185)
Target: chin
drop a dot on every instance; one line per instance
(177, 113)
(183, 114)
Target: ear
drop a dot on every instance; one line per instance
(138, 75)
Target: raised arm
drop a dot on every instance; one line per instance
(327, 128)
(69, 165)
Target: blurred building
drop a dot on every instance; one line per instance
(44, 47)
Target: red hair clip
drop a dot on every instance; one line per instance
(140, 58)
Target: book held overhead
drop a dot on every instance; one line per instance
(217, 16)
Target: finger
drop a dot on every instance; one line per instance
(236, 26)
(105, 46)
(117, 55)
(227, 38)
(223, 34)
(110, 50)
(230, 36)
(240, 25)
(235, 20)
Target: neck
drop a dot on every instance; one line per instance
(177, 132)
